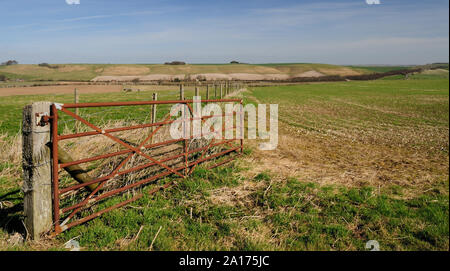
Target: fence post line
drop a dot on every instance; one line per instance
(215, 90)
(221, 90)
(155, 98)
(77, 110)
(207, 91)
(37, 170)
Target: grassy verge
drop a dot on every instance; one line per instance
(276, 215)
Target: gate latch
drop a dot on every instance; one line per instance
(42, 119)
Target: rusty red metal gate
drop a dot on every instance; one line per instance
(69, 216)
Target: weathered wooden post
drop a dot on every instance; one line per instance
(155, 98)
(77, 110)
(181, 92)
(207, 91)
(215, 90)
(37, 170)
(197, 92)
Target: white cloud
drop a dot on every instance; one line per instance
(73, 2)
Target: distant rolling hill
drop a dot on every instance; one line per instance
(149, 72)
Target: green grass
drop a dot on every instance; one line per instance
(295, 215)
(381, 69)
(398, 102)
(305, 216)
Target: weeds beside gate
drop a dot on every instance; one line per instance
(75, 194)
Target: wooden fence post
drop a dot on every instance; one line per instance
(181, 92)
(37, 170)
(215, 90)
(207, 91)
(197, 92)
(77, 110)
(155, 98)
(221, 90)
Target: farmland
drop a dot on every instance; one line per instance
(356, 161)
(87, 72)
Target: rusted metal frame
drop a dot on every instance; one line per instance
(103, 156)
(163, 174)
(119, 129)
(86, 200)
(148, 179)
(119, 141)
(127, 187)
(94, 158)
(106, 104)
(111, 193)
(224, 162)
(153, 132)
(115, 173)
(77, 186)
(213, 156)
(55, 177)
(92, 133)
(203, 154)
(136, 150)
(209, 145)
(99, 213)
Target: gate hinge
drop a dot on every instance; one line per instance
(42, 119)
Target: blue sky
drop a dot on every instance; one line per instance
(216, 31)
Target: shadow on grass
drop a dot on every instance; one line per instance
(11, 215)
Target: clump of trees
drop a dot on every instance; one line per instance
(234, 62)
(175, 63)
(371, 76)
(48, 65)
(10, 62)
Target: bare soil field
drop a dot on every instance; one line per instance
(66, 89)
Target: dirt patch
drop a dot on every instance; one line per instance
(351, 155)
(66, 89)
(331, 161)
(125, 70)
(436, 72)
(157, 77)
(310, 74)
(235, 196)
(339, 71)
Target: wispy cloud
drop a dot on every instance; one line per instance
(97, 17)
